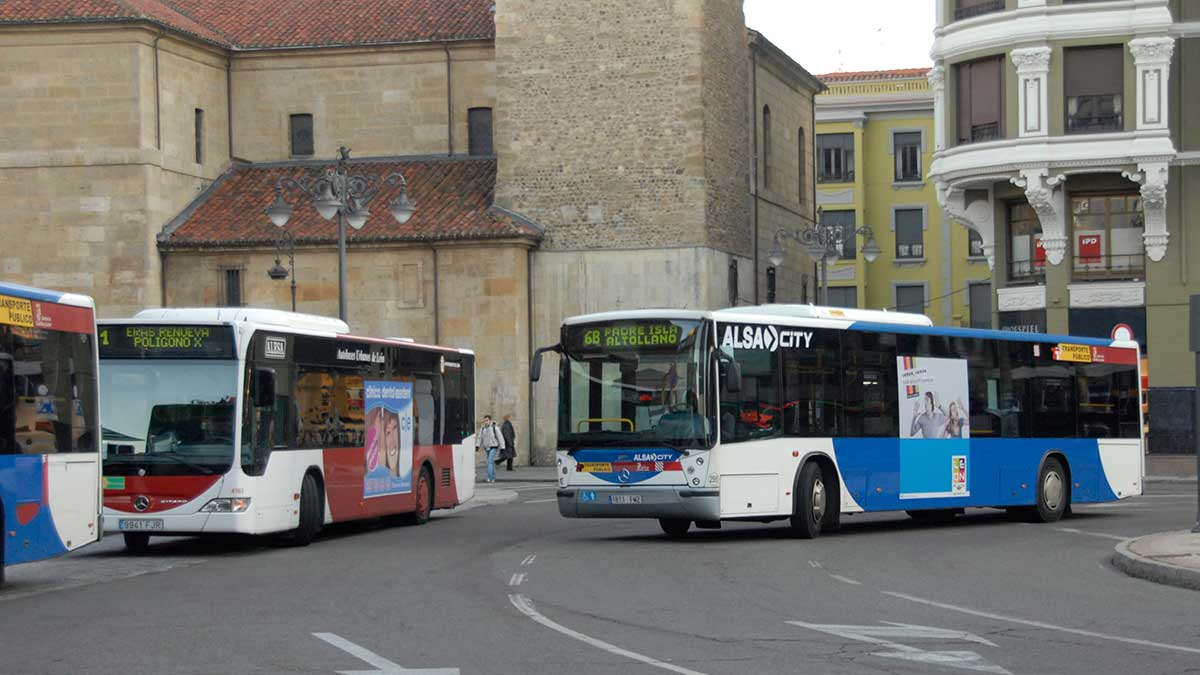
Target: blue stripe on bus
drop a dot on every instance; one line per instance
(1000, 471)
(29, 292)
(1011, 336)
(21, 481)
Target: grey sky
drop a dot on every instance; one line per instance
(832, 35)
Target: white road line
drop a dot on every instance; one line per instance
(541, 501)
(846, 580)
(1044, 625)
(814, 563)
(529, 560)
(516, 580)
(1092, 534)
(525, 606)
(381, 664)
(530, 488)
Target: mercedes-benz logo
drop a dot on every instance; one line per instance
(141, 502)
(623, 476)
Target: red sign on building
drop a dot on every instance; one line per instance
(1089, 249)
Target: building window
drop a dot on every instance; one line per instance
(198, 122)
(979, 300)
(804, 288)
(766, 145)
(843, 296)
(231, 287)
(1093, 83)
(907, 150)
(835, 158)
(770, 284)
(966, 9)
(844, 223)
(1107, 233)
(910, 298)
(980, 100)
(910, 234)
(800, 162)
(1026, 257)
(733, 282)
(974, 244)
(302, 135)
(479, 131)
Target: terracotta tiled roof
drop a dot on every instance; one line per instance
(863, 75)
(453, 199)
(265, 24)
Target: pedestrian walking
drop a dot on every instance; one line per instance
(510, 442)
(490, 440)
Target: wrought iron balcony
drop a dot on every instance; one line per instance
(1122, 266)
(978, 9)
(1026, 271)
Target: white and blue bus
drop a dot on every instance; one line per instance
(49, 459)
(807, 413)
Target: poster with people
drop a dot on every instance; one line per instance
(934, 427)
(388, 447)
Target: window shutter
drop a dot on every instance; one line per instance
(1094, 71)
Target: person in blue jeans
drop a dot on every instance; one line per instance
(491, 440)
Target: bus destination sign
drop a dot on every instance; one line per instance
(122, 341)
(626, 335)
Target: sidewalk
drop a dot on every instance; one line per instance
(1167, 557)
(519, 474)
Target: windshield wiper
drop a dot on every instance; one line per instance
(172, 455)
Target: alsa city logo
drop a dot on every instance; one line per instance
(765, 337)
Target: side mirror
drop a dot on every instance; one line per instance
(264, 388)
(535, 366)
(733, 377)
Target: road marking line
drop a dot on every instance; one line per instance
(542, 501)
(525, 606)
(529, 559)
(381, 664)
(846, 580)
(1092, 534)
(814, 563)
(879, 635)
(1043, 624)
(516, 580)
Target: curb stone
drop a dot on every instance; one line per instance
(1142, 567)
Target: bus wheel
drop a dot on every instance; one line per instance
(311, 514)
(424, 497)
(1053, 492)
(137, 542)
(812, 500)
(674, 527)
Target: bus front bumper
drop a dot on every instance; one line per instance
(676, 502)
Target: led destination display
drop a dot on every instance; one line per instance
(626, 335)
(166, 342)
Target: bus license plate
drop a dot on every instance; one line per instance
(141, 524)
(625, 499)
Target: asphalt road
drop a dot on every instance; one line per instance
(510, 587)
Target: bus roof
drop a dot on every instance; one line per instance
(1008, 335)
(762, 312)
(270, 317)
(44, 295)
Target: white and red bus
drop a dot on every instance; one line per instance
(260, 421)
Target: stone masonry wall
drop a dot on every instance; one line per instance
(726, 127)
(379, 101)
(600, 120)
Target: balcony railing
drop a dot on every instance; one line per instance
(981, 133)
(1123, 266)
(1027, 271)
(978, 9)
(1094, 114)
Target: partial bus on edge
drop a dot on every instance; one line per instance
(49, 463)
(259, 422)
(806, 413)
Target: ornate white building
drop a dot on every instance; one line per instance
(1063, 140)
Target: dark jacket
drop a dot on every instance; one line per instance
(510, 441)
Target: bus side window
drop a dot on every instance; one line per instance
(7, 407)
(869, 383)
(756, 410)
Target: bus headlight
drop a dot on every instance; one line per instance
(226, 505)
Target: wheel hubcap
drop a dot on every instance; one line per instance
(818, 500)
(1052, 490)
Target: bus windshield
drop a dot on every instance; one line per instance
(168, 417)
(634, 382)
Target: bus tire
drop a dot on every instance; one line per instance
(811, 502)
(136, 542)
(1053, 492)
(424, 498)
(311, 514)
(674, 528)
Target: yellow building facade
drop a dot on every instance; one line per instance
(873, 148)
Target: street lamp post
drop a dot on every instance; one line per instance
(285, 245)
(822, 241)
(345, 195)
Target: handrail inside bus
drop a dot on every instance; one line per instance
(589, 420)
